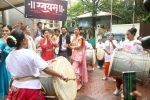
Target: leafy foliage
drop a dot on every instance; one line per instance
(122, 8)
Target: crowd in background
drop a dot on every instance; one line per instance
(49, 44)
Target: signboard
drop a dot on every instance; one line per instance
(46, 9)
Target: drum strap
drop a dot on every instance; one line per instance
(22, 79)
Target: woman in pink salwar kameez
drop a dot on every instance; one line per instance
(79, 58)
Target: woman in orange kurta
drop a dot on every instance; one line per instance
(47, 46)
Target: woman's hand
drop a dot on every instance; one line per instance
(65, 78)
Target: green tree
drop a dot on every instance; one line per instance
(141, 15)
(75, 10)
(92, 6)
(122, 8)
(125, 9)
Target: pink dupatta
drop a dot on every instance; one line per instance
(84, 73)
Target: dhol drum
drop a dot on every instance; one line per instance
(100, 54)
(123, 61)
(90, 56)
(55, 86)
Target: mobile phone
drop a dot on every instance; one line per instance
(129, 84)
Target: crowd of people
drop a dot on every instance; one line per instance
(25, 55)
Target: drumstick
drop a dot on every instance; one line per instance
(50, 96)
(71, 78)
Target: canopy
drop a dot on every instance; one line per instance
(6, 4)
(101, 13)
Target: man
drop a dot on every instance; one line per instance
(27, 32)
(38, 37)
(39, 29)
(64, 41)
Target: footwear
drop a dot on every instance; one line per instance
(114, 80)
(104, 78)
(117, 91)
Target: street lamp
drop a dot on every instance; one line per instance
(133, 12)
(111, 17)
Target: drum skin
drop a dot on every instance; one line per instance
(146, 42)
(89, 56)
(123, 61)
(147, 5)
(63, 90)
(47, 85)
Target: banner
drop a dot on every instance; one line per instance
(46, 9)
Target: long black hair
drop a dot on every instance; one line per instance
(133, 31)
(8, 26)
(15, 39)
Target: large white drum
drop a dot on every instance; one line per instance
(89, 56)
(123, 61)
(57, 87)
(100, 54)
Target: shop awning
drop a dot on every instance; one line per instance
(6, 4)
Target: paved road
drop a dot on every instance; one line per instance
(97, 89)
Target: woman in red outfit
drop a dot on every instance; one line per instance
(47, 46)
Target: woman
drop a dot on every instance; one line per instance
(47, 46)
(55, 39)
(109, 47)
(4, 51)
(24, 66)
(55, 36)
(132, 46)
(100, 53)
(79, 58)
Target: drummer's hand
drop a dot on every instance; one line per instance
(122, 96)
(134, 93)
(65, 78)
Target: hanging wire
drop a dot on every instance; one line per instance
(111, 17)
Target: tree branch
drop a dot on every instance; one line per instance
(86, 2)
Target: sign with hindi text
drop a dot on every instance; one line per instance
(46, 9)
